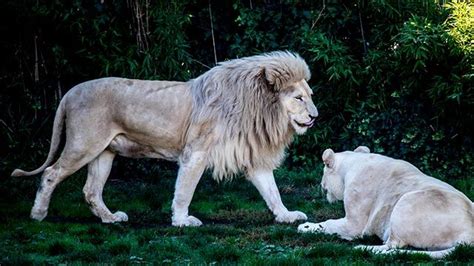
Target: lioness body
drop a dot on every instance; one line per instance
(394, 200)
(237, 117)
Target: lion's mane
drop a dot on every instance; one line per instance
(241, 97)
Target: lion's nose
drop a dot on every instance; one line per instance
(312, 117)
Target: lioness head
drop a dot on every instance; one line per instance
(332, 182)
(297, 102)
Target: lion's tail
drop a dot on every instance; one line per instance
(383, 249)
(55, 140)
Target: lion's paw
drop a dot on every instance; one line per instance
(120, 216)
(187, 221)
(291, 217)
(117, 217)
(309, 228)
(38, 215)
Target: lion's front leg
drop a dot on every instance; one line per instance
(264, 181)
(189, 174)
(344, 228)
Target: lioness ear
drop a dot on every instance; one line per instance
(362, 149)
(328, 158)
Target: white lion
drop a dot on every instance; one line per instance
(237, 117)
(395, 201)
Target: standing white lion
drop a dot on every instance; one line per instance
(395, 201)
(237, 117)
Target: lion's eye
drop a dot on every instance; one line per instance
(299, 98)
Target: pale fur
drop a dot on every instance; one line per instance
(253, 131)
(394, 200)
(237, 117)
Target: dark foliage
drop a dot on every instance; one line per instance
(396, 76)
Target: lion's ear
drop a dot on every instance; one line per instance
(328, 158)
(268, 78)
(362, 149)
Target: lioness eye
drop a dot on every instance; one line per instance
(299, 98)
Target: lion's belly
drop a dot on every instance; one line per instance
(128, 148)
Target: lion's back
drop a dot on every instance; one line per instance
(118, 89)
(150, 112)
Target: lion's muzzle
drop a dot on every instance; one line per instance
(308, 124)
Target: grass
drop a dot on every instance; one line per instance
(238, 228)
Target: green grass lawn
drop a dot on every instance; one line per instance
(237, 228)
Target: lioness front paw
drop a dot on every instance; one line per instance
(117, 217)
(186, 221)
(310, 228)
(291, 217)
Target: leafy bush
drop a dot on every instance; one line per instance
(393, 75)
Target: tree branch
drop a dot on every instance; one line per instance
(212, 33)
(362, 32)
(319, 15)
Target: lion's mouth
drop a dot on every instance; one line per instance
(309, 124)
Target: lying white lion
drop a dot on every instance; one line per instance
(395, 201)
(237, 117)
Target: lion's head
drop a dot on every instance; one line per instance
(297, 102)
(333, 182)
(256, 103)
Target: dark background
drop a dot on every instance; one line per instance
(396, 76)
(393, 75)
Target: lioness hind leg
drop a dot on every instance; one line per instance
(98, 172)
(432, 218)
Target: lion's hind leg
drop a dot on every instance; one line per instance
(51, 177)
(68, 163)
(80, 149)
(98, 172)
